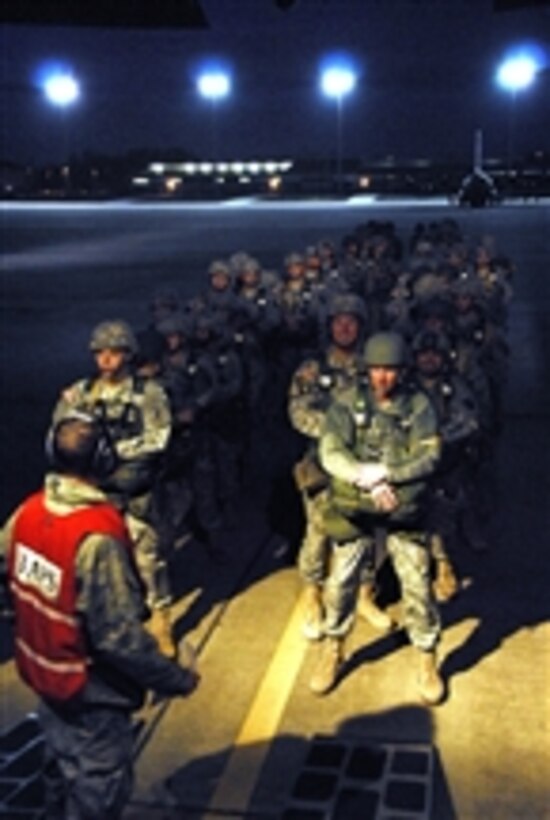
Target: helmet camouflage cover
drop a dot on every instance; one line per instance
(113, 333)
(347, 303)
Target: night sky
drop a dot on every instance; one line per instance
(426, 82)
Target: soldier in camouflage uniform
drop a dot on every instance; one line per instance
(380, 451)
(218, 298)
(259, 317)
(298, 327)
(458, 423)
(332, 374)
(136, 414)
(190, 383)
(219, 442)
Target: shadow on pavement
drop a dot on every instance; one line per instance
(375, 763)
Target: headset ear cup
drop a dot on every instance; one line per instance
(100, 460)
(49, 447)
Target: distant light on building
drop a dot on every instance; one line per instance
(172, 184)
(364, 182)
(274, 183)
(157, 167)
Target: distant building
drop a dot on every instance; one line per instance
(15, 180)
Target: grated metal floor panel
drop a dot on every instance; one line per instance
(355, 778)
(21, 788)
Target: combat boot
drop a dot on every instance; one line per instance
(312, 626)
(160, 627)
(329, 661)
(445, 584)
(430, 683)
(367, 608)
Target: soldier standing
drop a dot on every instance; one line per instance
(458, 423)
(332, 374)
(79, 640)
(136, 414)
(380, 451)
(190, 383)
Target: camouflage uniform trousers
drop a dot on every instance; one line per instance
(411, 561)
(410, 556)
(315, 555)
(88, 762)
(149, 552)
(216, 478)
(443, 523)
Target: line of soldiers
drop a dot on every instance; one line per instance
(395, 438)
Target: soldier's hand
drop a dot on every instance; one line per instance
(370, 474)
(193, 680)
(384, 497)
(187, 658)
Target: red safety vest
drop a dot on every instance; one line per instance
(50, 646)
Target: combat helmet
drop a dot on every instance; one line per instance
(347, 303)
(219, 266)
(114, 333)
(385, 349)
(431, 340)
(293, 258)
(176, 323)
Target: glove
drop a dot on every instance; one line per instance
(384, 498)
(187, 659)
(370, 474)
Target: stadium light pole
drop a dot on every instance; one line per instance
(214, 86)
(515, 74)
(337, 82)
(62, 90)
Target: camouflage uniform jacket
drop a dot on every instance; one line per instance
(455, 406)
(315, 384)
(400, 433)
(135, 411)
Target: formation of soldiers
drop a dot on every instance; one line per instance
(259, 356)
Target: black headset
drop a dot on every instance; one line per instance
(98, 463)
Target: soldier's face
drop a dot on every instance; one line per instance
(383, 381)
(295, 271)
(220, 281)
(174, 341)
(344, 330)
(250, 277)
(429, 362)
(111, 362)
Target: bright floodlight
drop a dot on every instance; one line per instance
(61, 89)
(517, 73)
(336, 82)
(214, 86)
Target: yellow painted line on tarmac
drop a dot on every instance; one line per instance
(239, 777)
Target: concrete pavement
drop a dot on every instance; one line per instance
(224, 753)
